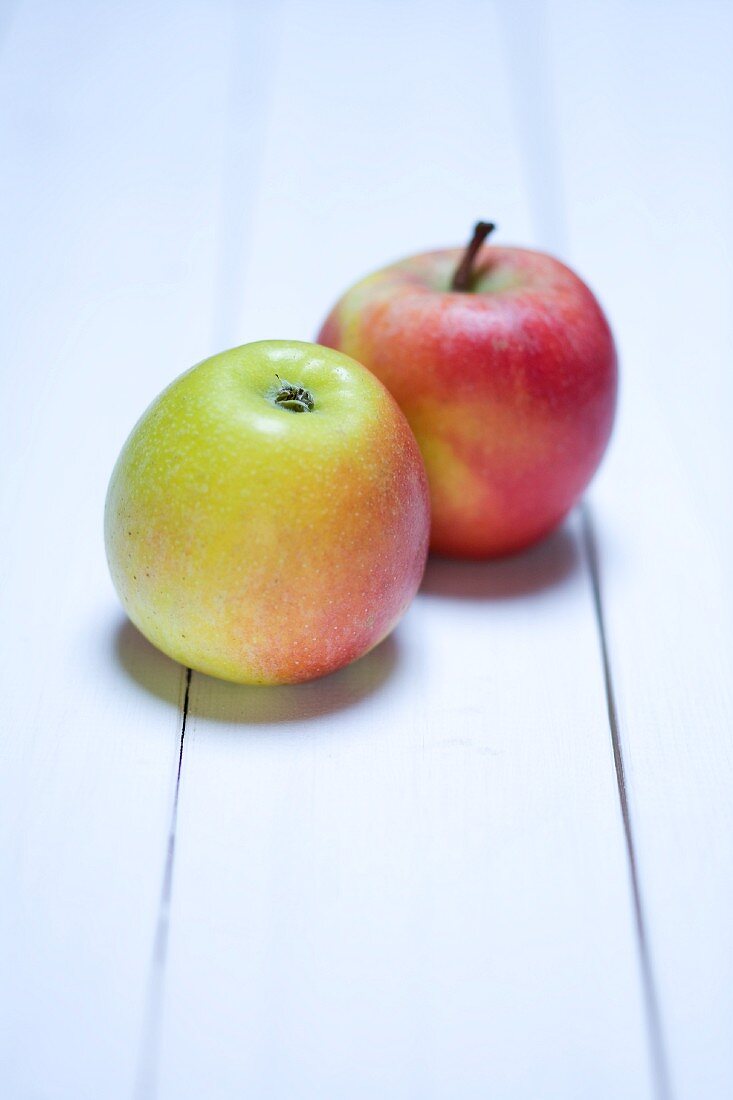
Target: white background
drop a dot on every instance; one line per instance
(451, 870)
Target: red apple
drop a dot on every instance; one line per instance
(505, 367)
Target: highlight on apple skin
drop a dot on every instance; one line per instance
(267, 520)
(505, 367)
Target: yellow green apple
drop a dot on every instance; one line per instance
(267, 520)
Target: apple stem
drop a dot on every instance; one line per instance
(464, 272)
(294, 398)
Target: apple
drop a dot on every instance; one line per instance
(505, 367)
(267, 520)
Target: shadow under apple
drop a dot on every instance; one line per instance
(545, 565)
(219, 701)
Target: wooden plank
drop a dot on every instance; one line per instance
(645, 110)
(409, 878)
(110, 122)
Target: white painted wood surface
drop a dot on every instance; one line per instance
(413, 878)
(112, 135)
(658, 241)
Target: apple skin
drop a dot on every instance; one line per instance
(263, 545)
(510, 388)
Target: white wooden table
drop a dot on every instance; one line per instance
(494, 858)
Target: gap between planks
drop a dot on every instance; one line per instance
(660, 1061)
(529, 66)
(146, 1084)
(229, 278)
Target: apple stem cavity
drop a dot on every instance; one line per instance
(294, 398)
(463, 275)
